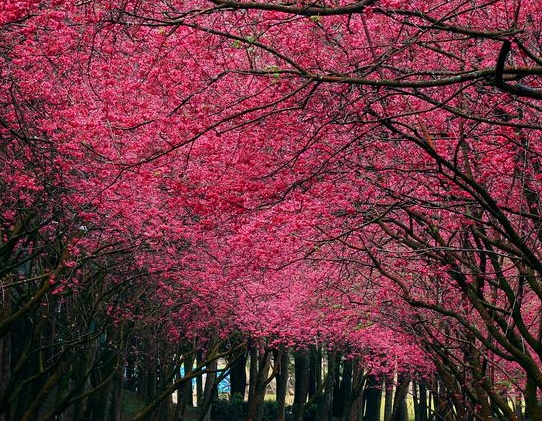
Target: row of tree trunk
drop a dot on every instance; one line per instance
(325, 387)
(88, 380)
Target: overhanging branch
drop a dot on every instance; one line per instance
(309, 10)
(517, 89)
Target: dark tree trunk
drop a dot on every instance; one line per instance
(99, 402)
(238, 377)
(358, 399)
(185, 396)
(199, 381)
(116, 396)
(5, 347)
(400, 412)
(372, 398)
(208, 392)
(315, 371)
(421, 407)
(253, 372)
(257, 396)
(342, 391)
(532, 407)
(324, 401)
(347, 391)
(388, 401)
(27, 378)
(518, 405)
(282, 383)
(301, 361)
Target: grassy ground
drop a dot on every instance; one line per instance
(131, 404)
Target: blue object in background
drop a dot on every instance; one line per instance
(223, 387)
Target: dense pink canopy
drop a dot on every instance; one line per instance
(293, 176)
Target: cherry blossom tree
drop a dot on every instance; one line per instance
(362, 175)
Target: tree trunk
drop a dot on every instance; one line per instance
(253, 372)
(420, 401)
(256, 399)
(324, 401)
(199, 382)
(5, 344)
(238, 377)
(342, 391)
(358, 399)
(282, 383)
(399, 412)
(185, 396)
(301, 371)
(315, 371)
(372, 398)
(208, 392)
(532, 408)
(518, 405)
(388, 402)
(116, 396)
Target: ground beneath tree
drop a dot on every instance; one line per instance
(132, 404)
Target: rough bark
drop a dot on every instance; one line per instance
(372, 398)
(282, 383)
(399, 412)
(323, 403)
(301, 370)
(238, 377)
